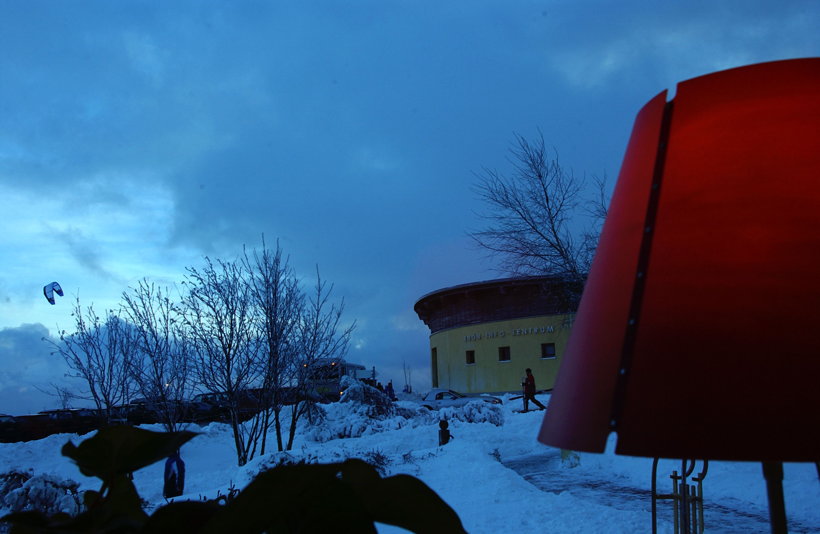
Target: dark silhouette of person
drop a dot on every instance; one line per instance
(529, 391)
(174, 476)
(389, 391)
(444, 435)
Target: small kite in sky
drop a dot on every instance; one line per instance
(50, 289)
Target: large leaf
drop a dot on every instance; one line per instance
(346, 497)
(294, 498)
(118, 450)
(400, 500)
(182, 516)
(25, 522)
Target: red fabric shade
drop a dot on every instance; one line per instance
(698, 334)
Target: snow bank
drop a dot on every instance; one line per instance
(469, 473)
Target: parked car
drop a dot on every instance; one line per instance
(444, 398)
(142, 410)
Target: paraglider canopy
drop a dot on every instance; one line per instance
(50, 289)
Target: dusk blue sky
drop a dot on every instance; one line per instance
(138, 137)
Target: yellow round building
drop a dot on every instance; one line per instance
(484, 335)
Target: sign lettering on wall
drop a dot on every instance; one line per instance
(492, 334)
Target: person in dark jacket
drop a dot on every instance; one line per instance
(174, 476)
(528, 384)
(388, 390)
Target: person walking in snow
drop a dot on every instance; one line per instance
(528, 383)
(174, 476)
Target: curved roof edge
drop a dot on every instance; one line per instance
(500, 299)
(513, 280)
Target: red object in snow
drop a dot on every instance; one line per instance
(698, 333)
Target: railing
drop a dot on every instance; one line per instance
(687, 499)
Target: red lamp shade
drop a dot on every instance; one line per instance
(698, 333)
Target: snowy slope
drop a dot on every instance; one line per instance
(471, 473)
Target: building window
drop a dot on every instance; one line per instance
(547, 350)
(503, 354)
(434, 366)
(470, 357)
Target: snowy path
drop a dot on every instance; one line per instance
(728, 516)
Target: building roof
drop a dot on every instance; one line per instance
(497, 300)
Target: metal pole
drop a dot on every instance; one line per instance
(675, 500)
(773, 473)
(684, 495)
(699, 479)
(655, 496)
(693, 504)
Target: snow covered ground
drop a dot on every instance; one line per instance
(490, 473)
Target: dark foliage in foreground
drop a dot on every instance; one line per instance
(341, 497)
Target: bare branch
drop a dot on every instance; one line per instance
(161, 367)
(321, 335)
(532, 217)
(98, 352)
(277, 300)
(218, 311)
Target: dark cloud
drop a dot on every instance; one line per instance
(86, 251)
(351, 132)
(28, 367)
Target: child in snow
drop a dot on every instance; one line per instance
(444, 435)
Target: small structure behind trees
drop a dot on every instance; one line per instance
(320, 335)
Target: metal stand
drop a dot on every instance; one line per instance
(687, 499)
(773, 473)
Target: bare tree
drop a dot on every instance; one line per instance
(98, 352)
(64, 394)
(534, 217)
(277, 301)
(161, 366)
(218, 308)
(321, 335)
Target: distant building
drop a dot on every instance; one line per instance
(484, 334)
